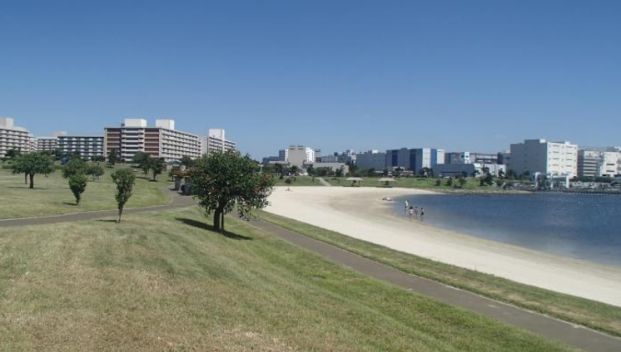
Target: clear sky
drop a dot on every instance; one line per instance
(461, 75)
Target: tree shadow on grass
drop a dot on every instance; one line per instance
(106, 220)
(69, 203)
(205, 226)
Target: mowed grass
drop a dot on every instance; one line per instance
(599, 316)
(52, 195)
(164, 282)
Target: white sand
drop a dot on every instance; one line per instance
(361, 213)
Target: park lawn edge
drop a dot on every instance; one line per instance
(599, 316)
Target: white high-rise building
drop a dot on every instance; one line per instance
(14, 138)
(215, 141)
(300, 155)
(548, 158)
(161, 141)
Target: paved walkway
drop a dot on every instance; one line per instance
(573, 335)
(576, 336)
(324, 182)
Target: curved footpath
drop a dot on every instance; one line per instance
(570, 334)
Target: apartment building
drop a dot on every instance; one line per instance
(215, 141)
(87, 146)
(161, 141)
(14, 138)
(47, 144)
(299, 155)
(548, 158)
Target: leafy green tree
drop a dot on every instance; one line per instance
(294, 170)
(77, 184)
(340, 172)
(12, 154)
(187, 161)
(74, 166)
(462, 181)
(31, 164)
(113, 157)
(438, 183)
(98, 158)
(95, 170)
(143, 161)
(310, 170)
(449, 181)
(124, 180)
(224, 181)
(157, 166)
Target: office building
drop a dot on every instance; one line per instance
(548, 158)
(14, 138)
(87, 146)
(300, 155)
(372, 159)
(161, 141)
(415, 160)
(283, 154)
(593, 163)
(215, 141)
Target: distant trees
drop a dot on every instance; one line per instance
(77, 184)
(31, 164)
(113, 157)
(95, 170)
(74, 166)
(224, 181)
(124, 180)
(157, 166)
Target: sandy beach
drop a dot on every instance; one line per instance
(361, 213)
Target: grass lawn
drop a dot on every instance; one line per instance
(51, 195)
(298, 181)
(471, 185)
(163, 282)
(600, 316)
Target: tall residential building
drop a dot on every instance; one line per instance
(215, 141)
(13, 137)
(593, 163)
(87, 146)
(372, 159)
(47, 144)
(161, 141)
(549, 158)
(283, 154)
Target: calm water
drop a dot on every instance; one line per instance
(576, 225)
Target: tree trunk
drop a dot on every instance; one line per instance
(25, 178)
(31, 180)
(216, 220)
(120, 213)
(222, 222)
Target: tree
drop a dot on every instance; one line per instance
(294, 170)
(113, 157)
(222, 181)
(462, 181)
(74, 166)
(449, 181)
(12, 154)
(143, 161)
(98, 158)
(310, 170)
(77, 184)
(33, 163)
(124, 180)
(157, 166)
(339, 172)
(95, 171)
(187, 161)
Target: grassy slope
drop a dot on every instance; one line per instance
(162, 282)
(51, 195)
(597, 315)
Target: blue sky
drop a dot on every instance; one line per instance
(461, 75)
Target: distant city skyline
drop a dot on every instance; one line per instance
(360, 75)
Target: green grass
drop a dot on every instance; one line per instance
(599, 316)
(51, 195)
(298, 181)
(471, 185)
(162, 282)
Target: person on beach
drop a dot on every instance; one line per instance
(416, 212)
(411, 212)
(422, 212)
(407, 207)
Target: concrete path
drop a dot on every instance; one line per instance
(572, 335)
(324, 182)
(551, 328)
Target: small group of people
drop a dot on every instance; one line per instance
(413, 211)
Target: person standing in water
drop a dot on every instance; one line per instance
(422, 212)
(407, 207)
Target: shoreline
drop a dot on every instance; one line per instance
(361, 213)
